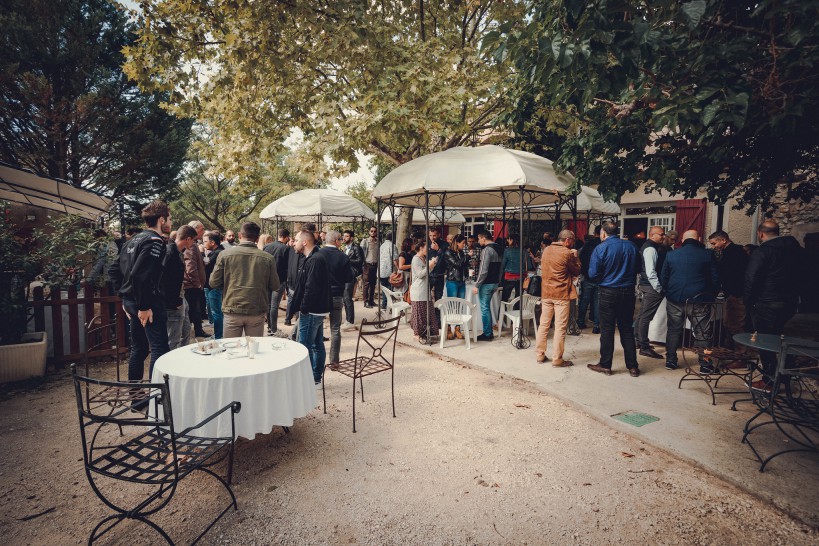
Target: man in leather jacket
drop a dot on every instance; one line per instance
(356, 256)
(137, 277)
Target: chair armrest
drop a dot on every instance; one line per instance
(234, 406)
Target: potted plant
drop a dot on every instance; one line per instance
(22, 355)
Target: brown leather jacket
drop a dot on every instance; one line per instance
(558, 266)
(194, 269)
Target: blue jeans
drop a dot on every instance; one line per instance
(311, 335)
(455, 289)
(179, 326)
(588, 296)
(214, 299)
(153, 336)
(485, 292)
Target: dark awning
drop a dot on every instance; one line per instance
(24, 186)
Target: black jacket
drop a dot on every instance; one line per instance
(657, 267)
(585, 255)
(456, 264)
(774, 273)
(440, 268)
(356, 256)
(214, 254)
(732, 266)
(295, 260)
(173, 270)
(338, 267)
(137, 274)
(312, 294)
(281, 253)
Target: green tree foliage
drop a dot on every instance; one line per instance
(363, 192)
(67, 110)
(224, 202)
(680, 95)
(395, 79)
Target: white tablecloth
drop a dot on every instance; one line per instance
(274, 388)
(494, 306)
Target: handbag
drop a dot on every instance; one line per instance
(397, 279)
(534, 286)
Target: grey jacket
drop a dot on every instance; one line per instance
(419, 290)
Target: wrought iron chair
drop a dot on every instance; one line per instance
(792, 402)
(509, 313)
(705, 357)
(151, 453)
(456, 312)
(102, 342)
(370, 358)
(395, 303)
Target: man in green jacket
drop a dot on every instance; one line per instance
(247, 277)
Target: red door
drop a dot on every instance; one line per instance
(691, 215)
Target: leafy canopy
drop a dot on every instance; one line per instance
(223, 202)
(396, 79)
(67, 110)
(678, 95)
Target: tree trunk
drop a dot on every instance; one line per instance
(404, 225)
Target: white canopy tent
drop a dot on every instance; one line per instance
(28, 188)
(317, 205)
(482, 177)
(451, 217)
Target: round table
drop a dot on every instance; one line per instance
(274, 388)
(772, 342)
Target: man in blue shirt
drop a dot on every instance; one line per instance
(614, 266)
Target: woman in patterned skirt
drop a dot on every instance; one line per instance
(420, 296)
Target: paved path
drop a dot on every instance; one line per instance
(689, 426)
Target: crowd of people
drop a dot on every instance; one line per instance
(170, 281)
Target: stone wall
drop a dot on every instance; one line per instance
(789, 213)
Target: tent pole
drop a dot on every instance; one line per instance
(520, 341)
(378, 315)
(429, 244)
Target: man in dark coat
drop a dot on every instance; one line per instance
(313, 300)
(733, 262)
(688, 274)
(280, 250)
(772, 284)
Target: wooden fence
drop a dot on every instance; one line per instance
(94, 302)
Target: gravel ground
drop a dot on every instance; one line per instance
(472, 458)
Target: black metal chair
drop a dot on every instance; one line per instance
(151, 453)
(702, 348)
(791, 404)
(374, 361)
(102, 342)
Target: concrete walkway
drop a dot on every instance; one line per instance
(689, 426)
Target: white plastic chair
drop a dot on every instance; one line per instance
(396, 303)
(456, 312)
(508, 312)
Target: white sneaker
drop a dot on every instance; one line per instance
(348, 327)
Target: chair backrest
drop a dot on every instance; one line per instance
(454, 306)
(101, 341)
(798, 361)
(378, 352)
(529, 303)
(393, 296)
(105, 413)
(705, 321)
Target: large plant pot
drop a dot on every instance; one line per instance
(24, 360)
